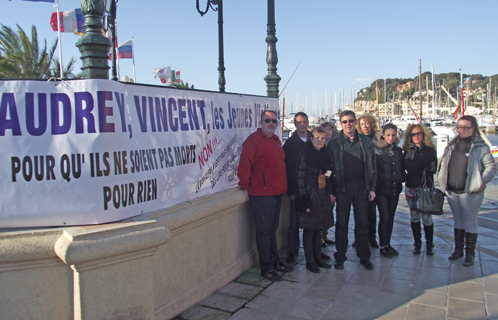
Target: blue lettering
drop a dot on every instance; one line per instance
(104, 112)
(55, 99)
(9, 102)
(80, 113)
(30, 114)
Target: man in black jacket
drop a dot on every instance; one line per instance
(354, 180)
(292, 147)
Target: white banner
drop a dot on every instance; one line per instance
(95, 151)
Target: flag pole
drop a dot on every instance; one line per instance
(116, 49)
(133, 57)
(59, 36)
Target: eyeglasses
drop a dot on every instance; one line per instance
(346, 121)
(464, 128)
(270, 120)
(417, 133)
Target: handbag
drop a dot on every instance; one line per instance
(426, 199)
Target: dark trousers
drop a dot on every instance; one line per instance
(293, 232)
(266, 212)
(312, 245)
(387, 209)
(372, 219)
(355, 194)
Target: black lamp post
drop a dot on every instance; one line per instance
(110, 6)
(221, 60)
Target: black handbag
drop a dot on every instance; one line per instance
(426, 199)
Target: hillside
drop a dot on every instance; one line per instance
(450, 80)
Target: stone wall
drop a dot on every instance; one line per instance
(152, 266)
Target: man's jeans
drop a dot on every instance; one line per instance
(266, 212)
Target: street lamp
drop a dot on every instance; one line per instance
(110, 6)
(221, 61)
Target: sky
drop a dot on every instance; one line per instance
(338, 45)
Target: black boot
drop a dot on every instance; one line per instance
(417, 235)
(470, 248)
(459, 244)
(429, 236)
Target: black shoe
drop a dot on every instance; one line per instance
(367, 264)
(385, 252)
(272, 276)
(328, 241)
(416, 247)
(373, 243)
(313, 267)
(280, 266)
(290, 259)
(339, 265)
(353, 245)
(393, 251)
(325, 256)
(429, 249)
(322, 264)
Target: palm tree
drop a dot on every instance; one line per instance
(21, 57)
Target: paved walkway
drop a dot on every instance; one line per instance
(405, 287)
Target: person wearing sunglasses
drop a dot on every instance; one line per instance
(466, 167)
(292, 147)
(354, 179)
(419, 153)
(262, 176)
(367, 124)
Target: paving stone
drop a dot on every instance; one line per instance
(491, 304)
(396, 314)
(309, 308)
(202, 313)
(402, 273)
(490, 285)
(467, 291)
(286, 290)
(489, 268)
(432, 298)
(341, 311)
(252, 314)
(397, 286)
(254, 279)
(265, 304)
(466, 309)
(418, 311)
(460, 273)
(385, 302)
(241, 290)
(224, 302)
(439, 275)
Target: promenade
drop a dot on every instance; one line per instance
(405, 287)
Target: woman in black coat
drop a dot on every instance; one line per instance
(419, 153)
(313, 197)
(390, 176)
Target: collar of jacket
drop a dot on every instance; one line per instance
(295, 135)
(474, 140)
(341, 137)
(273, 137)
(381, 143)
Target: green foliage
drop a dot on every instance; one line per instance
(451, 82)
(182, 85)
(22, 58)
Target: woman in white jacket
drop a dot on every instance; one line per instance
(466, 167)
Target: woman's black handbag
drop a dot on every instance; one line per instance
(426, 199)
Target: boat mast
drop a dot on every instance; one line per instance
(420, 86)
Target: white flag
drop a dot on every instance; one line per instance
(163, 73)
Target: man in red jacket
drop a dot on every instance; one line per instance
(262, 176)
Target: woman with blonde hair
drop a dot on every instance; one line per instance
(367, 125)
(419, 155)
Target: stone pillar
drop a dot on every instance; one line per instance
(272, 78)
(112, 268)
(93, 45)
